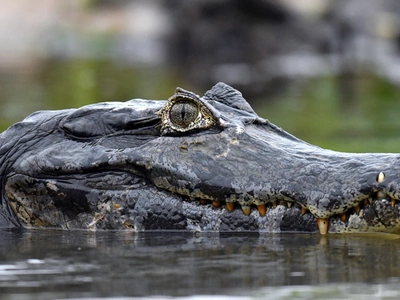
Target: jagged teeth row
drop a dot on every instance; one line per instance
(323, 224)
(262, 208)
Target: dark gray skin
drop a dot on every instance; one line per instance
(136, 165)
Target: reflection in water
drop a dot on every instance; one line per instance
(45, 264)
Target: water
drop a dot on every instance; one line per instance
(50, 264)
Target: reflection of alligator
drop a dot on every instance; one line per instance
(188, 163)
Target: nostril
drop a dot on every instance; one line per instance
(380, 177)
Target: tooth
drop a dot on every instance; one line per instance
(366, 202)
(203, 201)
(323, 225)
(262, 209)
(246, 210)
(381, 194)
(357, 209)
(393, 202)
(380, 177)
(274, 204)
(289, 204)
(216, 203)
(282, 202)
(230, 206)
(343, 217)
(304, 210)
(370, 200)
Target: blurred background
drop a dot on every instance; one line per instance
(327, 71)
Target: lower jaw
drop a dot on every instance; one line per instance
(59, 203)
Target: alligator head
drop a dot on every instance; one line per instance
(194, 163)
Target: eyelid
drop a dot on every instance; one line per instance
(103, 120)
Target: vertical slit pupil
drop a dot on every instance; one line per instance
(183, 112)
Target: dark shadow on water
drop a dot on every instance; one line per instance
(46, 264)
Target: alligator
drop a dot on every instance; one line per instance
(188, 163)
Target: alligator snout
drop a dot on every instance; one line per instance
(380, 195)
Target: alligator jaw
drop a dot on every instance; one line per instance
(366, 202)
(378, 208)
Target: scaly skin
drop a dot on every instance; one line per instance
(188, 163)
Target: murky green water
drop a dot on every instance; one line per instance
(358, 114)
(50, 264)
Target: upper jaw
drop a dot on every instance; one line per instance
(367, 182)
(377, 207)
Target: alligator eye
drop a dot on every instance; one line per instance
(185, 111)
(183, 114)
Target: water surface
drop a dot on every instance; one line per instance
(50, 264)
